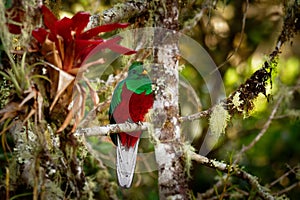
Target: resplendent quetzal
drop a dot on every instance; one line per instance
(131, 100)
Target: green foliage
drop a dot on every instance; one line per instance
(18, 75)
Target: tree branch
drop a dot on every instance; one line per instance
(285, 190)
(195, 116)
(119, 12)
(293, 170)
(129, 127)
(113, 128)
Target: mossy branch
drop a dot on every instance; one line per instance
(113, 128)
(131, 127)
(119, 12)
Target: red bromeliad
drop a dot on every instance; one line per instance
(65, 43)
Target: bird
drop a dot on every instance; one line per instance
(131, 101)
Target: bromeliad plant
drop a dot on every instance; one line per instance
(65, 45)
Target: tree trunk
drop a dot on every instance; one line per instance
(168, 151)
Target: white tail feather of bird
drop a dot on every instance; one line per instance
(126, 160)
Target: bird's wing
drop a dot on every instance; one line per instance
(116, 98)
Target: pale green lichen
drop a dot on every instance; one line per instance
(188, 149)
(218, 119)
(237, 102)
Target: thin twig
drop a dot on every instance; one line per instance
(241, 38)
(210, 192)
(195, 116)
(293, 170)
(285, 190)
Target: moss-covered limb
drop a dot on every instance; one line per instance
(241, 100)
(50, 166)
(235, 171)
(130, 127)
(35, 162)
(119, 12)
(112, 128)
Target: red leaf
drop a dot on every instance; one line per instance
(17, 15)
(49, 18)
(82, 44)
(40, 34)
(102, 46)
(81, 55)
(63, 28)
(69, 56)
(120, 49)
(79, 22)
(83, 48)
(112, 44)
(106, 43)
(14, 29)
(104, 28)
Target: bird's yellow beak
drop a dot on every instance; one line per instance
(145, 72)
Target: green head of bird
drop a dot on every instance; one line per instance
(138, 80)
